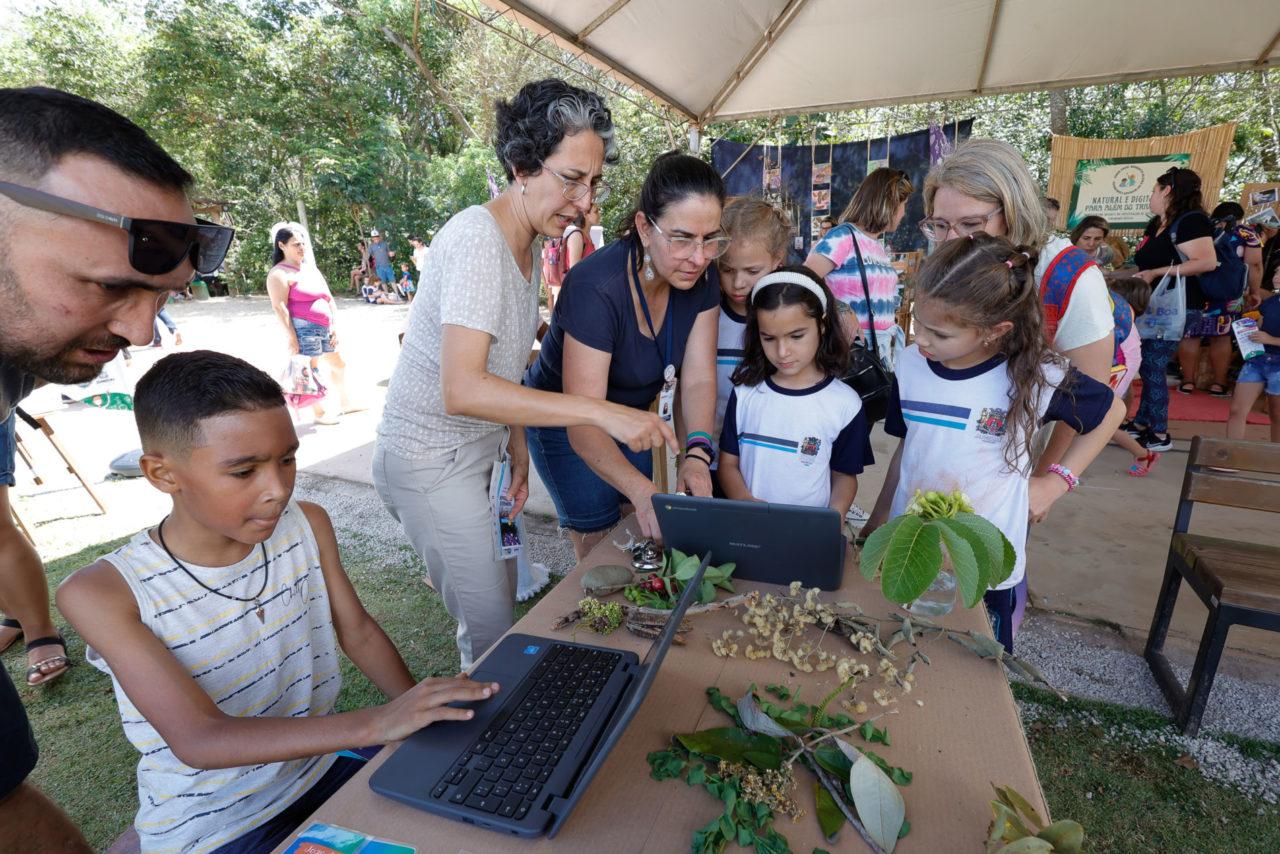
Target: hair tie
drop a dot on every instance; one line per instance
(785, 277)
(1008, 262)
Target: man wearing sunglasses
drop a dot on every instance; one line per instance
(95, 232)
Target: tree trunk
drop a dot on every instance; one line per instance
(1058, 112)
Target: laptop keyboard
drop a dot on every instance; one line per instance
(504, 771)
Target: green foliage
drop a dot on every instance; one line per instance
(907, 551)
(661, 589)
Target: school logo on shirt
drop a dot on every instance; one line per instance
(992, 422)
(809, 450)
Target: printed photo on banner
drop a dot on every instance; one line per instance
(772, 177)
(1264, 197)
(821, 173)
(879, 162)
(821, 200)
(1118, 188)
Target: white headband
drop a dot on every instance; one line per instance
(786, 278)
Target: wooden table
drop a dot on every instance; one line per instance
(965, 736)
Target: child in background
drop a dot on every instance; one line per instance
(1129, 298)
(368, 291)
(793, 433)
(971, 391)
(406, 282)
(220, 628)
(760, 234)
(1261, 373)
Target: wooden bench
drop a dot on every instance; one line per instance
(1238, 582)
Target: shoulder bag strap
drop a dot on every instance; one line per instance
(866, 291)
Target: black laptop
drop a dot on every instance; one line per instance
(770, 543)
(524, 761)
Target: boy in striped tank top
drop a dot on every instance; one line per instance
(220, 627)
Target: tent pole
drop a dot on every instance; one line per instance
(757, 52)
(614, 8)
(747, 150)
(1271, 45)
(986, 52)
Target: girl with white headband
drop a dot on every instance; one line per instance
(793, 433)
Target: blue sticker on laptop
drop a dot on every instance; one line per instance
(531, 649)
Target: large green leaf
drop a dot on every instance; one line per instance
(830, 819)
(878, 801)
(963, 562)
(986, 541)
(734, 745)
(911, 560)
(1010, 561)
(872, 551)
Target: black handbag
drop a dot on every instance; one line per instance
(867, 374)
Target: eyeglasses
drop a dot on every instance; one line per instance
(684, 247)
(937, 229)
(575, 190)
(156, 246)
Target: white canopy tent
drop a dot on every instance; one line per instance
(720, 60)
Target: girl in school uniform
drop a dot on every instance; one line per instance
(793, 433)
(970, 393)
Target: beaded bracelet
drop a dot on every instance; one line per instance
(1065, 473)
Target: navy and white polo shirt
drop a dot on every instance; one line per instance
(788, 441)
(729, 344)
(954, 424)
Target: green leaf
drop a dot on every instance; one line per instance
(983, 539)
(1010, 561)
(755, 720)
(833, 760)
(697, 775)
(963, 563)
(734, 745)
(906, 828)
(687, 568)
(706, 592)
(782, 692)
(873, 550)
(745, 836)
(830, 819)
(986, 541)
(911, 560)
(723, 703)
(1020, 805)
(1066, 836)
(879, 803)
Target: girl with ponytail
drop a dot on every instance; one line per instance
(970, 393)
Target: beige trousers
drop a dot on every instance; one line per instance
(443, 504)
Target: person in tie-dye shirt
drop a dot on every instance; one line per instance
(876, 208)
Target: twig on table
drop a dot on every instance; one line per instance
(837, 732)
(834, 789)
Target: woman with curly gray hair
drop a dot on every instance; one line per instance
(456, 388)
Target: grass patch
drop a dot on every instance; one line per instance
(88, 767)
(1139, 799)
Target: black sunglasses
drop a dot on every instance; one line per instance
(156, 246)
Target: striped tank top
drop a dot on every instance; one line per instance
(283, 666)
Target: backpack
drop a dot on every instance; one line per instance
(553, 258)
(1058, 283)
(1227, 281)
(1122, 316)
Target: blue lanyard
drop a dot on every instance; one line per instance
(668, 340)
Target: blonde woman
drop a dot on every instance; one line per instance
(875, 209)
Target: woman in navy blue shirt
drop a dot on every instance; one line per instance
(633, 315)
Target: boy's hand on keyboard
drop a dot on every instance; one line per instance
(425, 704)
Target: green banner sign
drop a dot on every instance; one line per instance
(1118, 188)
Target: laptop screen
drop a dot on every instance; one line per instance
(634, 697)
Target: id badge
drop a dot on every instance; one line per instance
(667, 397)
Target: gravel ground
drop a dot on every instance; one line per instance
(1077, 662)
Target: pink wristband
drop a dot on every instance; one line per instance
(1065, 473)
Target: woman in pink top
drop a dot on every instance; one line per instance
(876, 208)
(302, 302)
